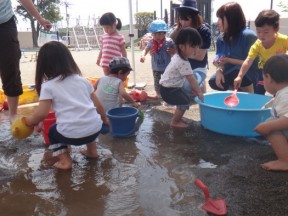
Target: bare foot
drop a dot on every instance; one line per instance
(89, 154)
(48, 160)
(65, 161)
(180, 124)
(276, 165)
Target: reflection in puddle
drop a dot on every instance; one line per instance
(151, 173)
(205, 164)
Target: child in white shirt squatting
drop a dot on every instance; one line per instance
(178, 85)
(79, 114)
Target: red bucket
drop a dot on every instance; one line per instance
(47, 123)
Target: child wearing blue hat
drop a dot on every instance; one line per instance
(160, 49)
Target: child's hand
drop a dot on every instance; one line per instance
(142, 59)
(220, 79)
(268, 104)
(263, 129)
(106, 121)
(237, 81)
(171, 51)
(136, 105)
(98, 62)
(152, 52)
(201, 96)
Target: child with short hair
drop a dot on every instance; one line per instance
(110, 89)
(61, 87)
(178, 84)
(270, 42)
(275, 78)
(160, 49)
(112, 42)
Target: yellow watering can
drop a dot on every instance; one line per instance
(20, 130)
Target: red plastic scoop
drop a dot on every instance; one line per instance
(232, 100)
(217, 206)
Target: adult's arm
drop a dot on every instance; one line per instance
(30, 7)
(205, 33)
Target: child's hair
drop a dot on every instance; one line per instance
(109, 19)
(119, 64)
(235, 18)
(188, 36)
(277, 67)
(54, 59)
(267, 17)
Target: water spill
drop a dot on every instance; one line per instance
(151, 173)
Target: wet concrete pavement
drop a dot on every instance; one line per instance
(151, 173)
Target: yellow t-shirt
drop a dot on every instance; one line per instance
(257, 50)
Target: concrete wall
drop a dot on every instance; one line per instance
(283, 26)
(25, 39)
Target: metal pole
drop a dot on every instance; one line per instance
(161, 9)
(131, 35)
(271, 5)
(136, 6)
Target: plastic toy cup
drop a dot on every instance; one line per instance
(217, 58)
(20, 130)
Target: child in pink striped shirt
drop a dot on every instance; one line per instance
(112, 43)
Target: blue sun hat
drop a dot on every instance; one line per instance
(158, 26)
(188, 5)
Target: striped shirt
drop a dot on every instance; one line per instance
(111, 47)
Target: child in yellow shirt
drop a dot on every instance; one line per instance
(269, 43)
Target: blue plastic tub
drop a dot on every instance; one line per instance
(237, 121)
(122, 121)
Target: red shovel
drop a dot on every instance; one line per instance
(217, 206)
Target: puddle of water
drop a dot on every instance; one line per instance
(151, 173)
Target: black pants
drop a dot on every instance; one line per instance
(10, 55)
(229, 81)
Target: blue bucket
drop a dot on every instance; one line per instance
(236, 121)
(122, 121)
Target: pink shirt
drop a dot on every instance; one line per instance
(111, 47)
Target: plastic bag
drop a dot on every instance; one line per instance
(45, 37)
